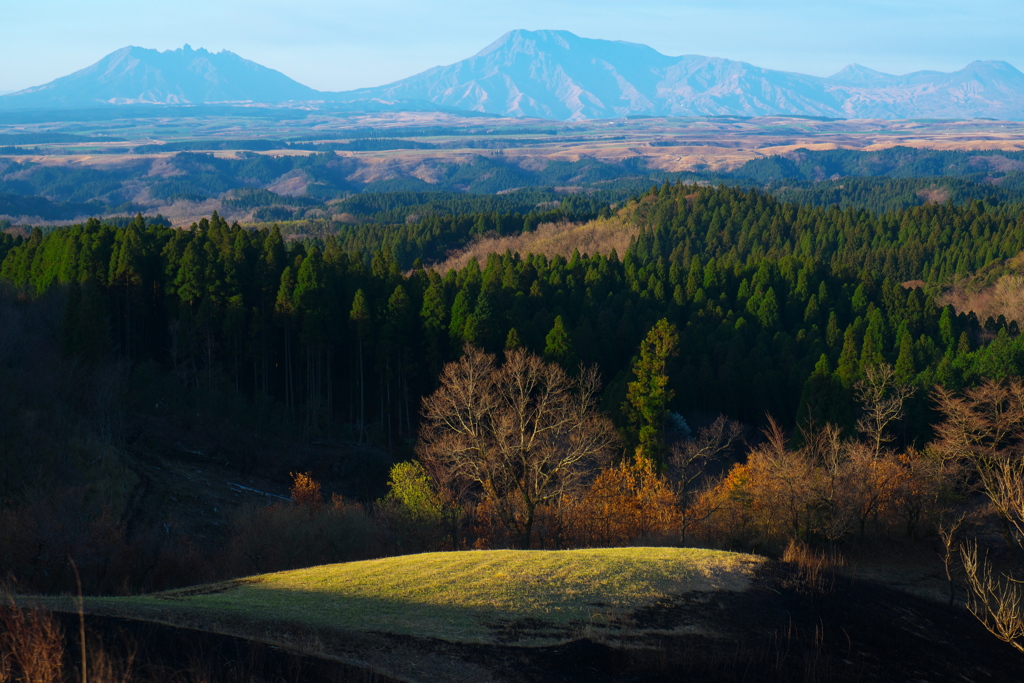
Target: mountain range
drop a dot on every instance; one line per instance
(552, 75)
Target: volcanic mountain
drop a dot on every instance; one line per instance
(135, 75)
(552, 75)
(558, 75)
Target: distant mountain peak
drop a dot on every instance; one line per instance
(994, 65)
(858, 70)
(183, 76)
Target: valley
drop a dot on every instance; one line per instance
(420, 152)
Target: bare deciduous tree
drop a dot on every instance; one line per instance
(882, 399)
(520, 435)
(690, 457)
(994, 599)
(985, 427)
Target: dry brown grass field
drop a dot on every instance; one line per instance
(667, 144)
(551, 239)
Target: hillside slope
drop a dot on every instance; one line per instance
(474, 596)
(558, 75)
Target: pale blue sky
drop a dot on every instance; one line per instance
(344, 44)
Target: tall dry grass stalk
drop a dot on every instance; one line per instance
(31, 646)
(551, 239)
(32, 649)
(815, 570)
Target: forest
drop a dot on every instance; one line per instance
(749, 373)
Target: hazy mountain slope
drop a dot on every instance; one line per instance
(550, 74)
(183, 76)
(555, 74)
(980, 90)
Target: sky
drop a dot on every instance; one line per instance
(346, 44)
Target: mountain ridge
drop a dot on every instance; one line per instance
(553, 75)
(556, 74)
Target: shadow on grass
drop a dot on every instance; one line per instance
(853, 631)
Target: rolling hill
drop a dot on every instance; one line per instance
(613, 614)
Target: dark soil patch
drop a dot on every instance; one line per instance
(515, 630)
(166, 654)
(853, 631)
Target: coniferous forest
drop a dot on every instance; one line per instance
(736, 343)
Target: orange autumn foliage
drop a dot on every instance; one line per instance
(627, 504)
(827, 491)
(305, 490)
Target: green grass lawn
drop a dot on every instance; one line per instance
(459, 596)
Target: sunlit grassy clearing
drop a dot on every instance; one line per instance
(458, 595)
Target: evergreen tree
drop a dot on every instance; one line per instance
(558, 346)
(649, 394)
(359, 314)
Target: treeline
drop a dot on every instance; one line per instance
(895, 162)
(433, 236)
(777, 305)
(401, 208)
(881, 195)
(41, 207)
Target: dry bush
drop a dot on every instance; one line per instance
(32, 645)
(921, 488)
(721, 514)
(305, 491)
(37, 538)
(103, 667)
(827, 491)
